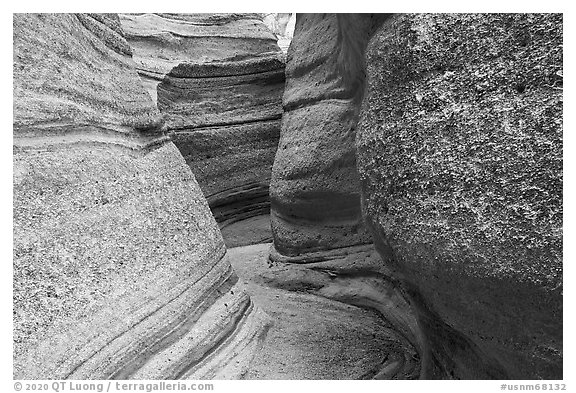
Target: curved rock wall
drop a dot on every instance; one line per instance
(315, 189)
(224, 116)
(162, 41)
(120, 270)
(460, 156)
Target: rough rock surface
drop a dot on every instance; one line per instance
(162, 41)
(119, 267)
(224, 116)
(315, 189)
(460, 156)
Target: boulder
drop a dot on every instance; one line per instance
(120, 270)
(459, 151)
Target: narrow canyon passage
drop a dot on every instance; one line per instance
(224, 113)
(312, 335)
(265, 196)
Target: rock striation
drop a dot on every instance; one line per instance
(120, 270)
(162, 41)
(321, 245)
(315, 188)
(460, 156)
(224, 116)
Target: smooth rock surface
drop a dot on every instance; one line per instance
(252, 230)
(315, 189)
(120, 270)
(460, 156)
(329, 320)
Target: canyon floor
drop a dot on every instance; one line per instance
(313, 337)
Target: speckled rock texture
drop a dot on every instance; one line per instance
(315, 188)
(224, 116)
(120, 270)
(162, 41)
(460, 157)
(47, 92)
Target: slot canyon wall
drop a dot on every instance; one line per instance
(457, 164)
(460, 156)
(315, 188)
(219, 80)
(120, 270)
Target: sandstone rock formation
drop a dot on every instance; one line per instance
(162, 41)
(315, 190)
(224, 116)
(455, 175)
(120, 270)
(460, 156)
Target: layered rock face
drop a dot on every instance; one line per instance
(460, 156)
(315, 189)
(120, 270)
(162, 41)
(224, 116)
